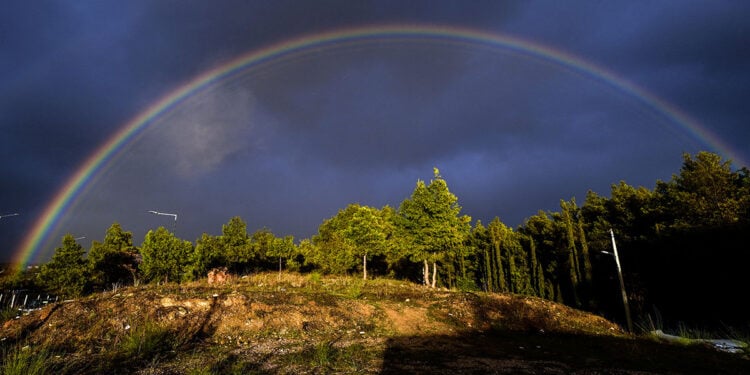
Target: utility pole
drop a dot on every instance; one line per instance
(622, 282)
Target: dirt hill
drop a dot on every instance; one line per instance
(289, 323)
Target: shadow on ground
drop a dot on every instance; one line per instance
(538, 353)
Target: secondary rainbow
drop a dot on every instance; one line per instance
(30, 246)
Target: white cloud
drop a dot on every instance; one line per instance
(215, 125)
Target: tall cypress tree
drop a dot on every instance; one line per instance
(495, 230)
(537, 271)
(575, 273)
(480, 241)
(587, 272)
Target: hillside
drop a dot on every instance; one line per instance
(290, 323)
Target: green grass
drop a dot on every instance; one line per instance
(26, 361)
(330, 356)
(147, 341)
(691, 335)
(8, 314)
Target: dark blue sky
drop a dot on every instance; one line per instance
(287, 144)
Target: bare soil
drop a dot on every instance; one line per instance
(297, 324)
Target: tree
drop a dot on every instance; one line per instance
(208, 254)
(431, 220)
(706, 193)
(332, 252)
(165, 256)
(479, 239)
(113, 260)
(367, 230)
(496, 231)
(537, 269)
(236, 245)
(282, 248)
(66, 273)
(542, 233)
(261, 244)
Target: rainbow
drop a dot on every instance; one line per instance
(68, 193)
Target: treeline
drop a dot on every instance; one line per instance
(681, 246)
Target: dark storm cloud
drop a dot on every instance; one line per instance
(290, 143)
(702, 54)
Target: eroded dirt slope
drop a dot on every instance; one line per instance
(297, 324)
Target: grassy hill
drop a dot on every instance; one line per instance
(295, 324)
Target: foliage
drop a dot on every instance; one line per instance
(431, 224)
(283, 249)
(25, 361)
(207, 254)
(355, 233)
(706, 193)
(147, 341)
(165, 257)
(8, 313)
(681, 246)
(235, 243)
(67, 272)
(114, 260)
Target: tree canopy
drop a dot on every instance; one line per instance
(680, 240)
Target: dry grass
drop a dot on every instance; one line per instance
(293, 323)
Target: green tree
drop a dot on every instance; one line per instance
(165, 256)
(480, 241)
(67, 272)
(431, 220)
(368, 230)
(282, 248)
(497, 231)
(332, 252)
(113, 260)
(355, 233)
(261, 244)
(208, 254)
(569, 233)
(541, 230)
(237, 247)
(706, 193)
(537, 269)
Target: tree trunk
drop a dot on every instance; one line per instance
(434, 273)
(426, 273)
(364, 267)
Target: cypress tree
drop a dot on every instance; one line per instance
(584, 251)
(575, 273)
(496, 237)
(537, 272)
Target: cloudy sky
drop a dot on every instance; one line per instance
(288, 141)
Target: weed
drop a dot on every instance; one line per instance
(354, 289)
(354, 358)
(323, 355)
(315, 277)
(204, 370)
(147, 341)
(25, 361)
(8, 313)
